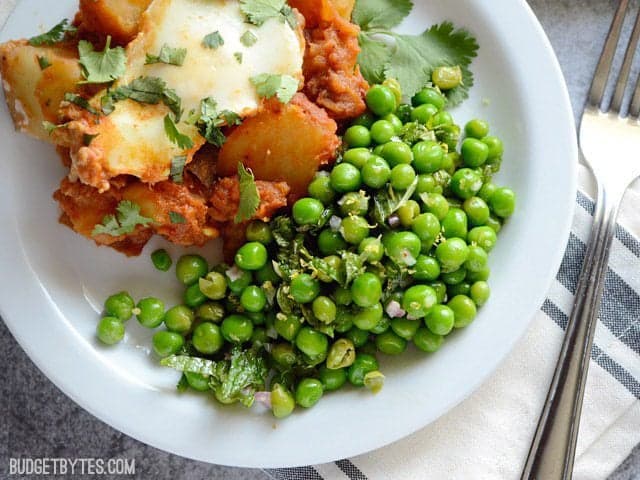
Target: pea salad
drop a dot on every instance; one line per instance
(390, 248)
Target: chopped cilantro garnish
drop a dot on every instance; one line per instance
(182, 141)
(87, 138)
(209, 121)
(177, 168)
(249, 195)
(176, 218)
(238, 57)
(213, 40)
(259, 11)
(80, 102)
(282, 86)
(55, 35)
(410, 59)
(43, 62)
(49, 127)
(152, 90)
(101, 67)
(230, 118)
(248, 39)
(168, 55)
(125, 221)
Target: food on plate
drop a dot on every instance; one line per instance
(357, 216)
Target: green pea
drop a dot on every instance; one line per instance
(390, 344)
(426, 184)
(282, 401)
(179, 319)
(417, 300)
(307, 211)
(408, 213)
(427, 341)
(474, 152)
(259, 231)
(403, 112)
(332, 379)
(503, 202)
(376, 172)
(354, 203)
(395, 121)
(110, 330)
(452, 253)
(207, 338)
(334, 262)
(257, 318)
(345, 178)
(120, 306)
(482, 275)
(284, 354)
(342, 296)
(429, 96)
(480, 293)
(344, 321)
(402, 176)
(404, 327)
(484, 237)
(462, 288)
(427, 227)
(190, 268)
(477, 211)
(357, 136)
(354, 229)
(381, 100)
(383, 325)
(161, 260)
(476, 129)
(450, 162)
(366, 120)
(357, 157)
(193, 296)
(366, 290)
(428, 157)
(496, 147)
(382, 132)
(423, 113)
(454, 278)
(368, 318)
(362, 365)
(330, 242)
(441, 119)
(324, 309)
(374, 381)
(464, 310)
(253, 299)
(308, 392)
(311, 342)
(426, 268)
(197, 381)
(210, 311)
(402, 247)
(446, 78)
(397, 153)
(167, 343)
(357, 336)
(237, 329)
(466, 183)
(455, 224)
(287, 326)
(440, 319)
(342, 354)
(394, 85)
(267, 274)
(151, 312)
(304, 288)
(494, 223)
(477, 259)
(487, 190)
(437, 204)
(252, 256)
(320, 188)
(213, 286)
(372, 248)
(440, 288)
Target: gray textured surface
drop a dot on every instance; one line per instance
(38, 420)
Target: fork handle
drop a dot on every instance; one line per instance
(553, 448)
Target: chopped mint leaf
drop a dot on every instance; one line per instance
(213, 40)
(168, 55)
(282, 86)
(182, 141)
(53, 36)
(248, 39)
(101, 67)
(249, 195)
(125, 221)
(177, 168)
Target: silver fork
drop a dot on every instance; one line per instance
(610, 144)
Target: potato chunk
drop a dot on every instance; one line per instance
(118, 18)
(286, 143)
(34, 93)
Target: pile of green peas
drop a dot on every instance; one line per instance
(422, 272)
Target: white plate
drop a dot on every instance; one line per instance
(53, 281)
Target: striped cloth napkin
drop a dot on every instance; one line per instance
(488, 435)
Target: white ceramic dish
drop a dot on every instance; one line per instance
(52, 281)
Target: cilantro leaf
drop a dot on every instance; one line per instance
(209, 121)
(152, 90)
(182, 141)
(81, 102)
(386, 14)
(213, 40)
(415, 56)
(238, 57)
(49, 126)
(55, 35)
(177, 168)
(249, 195)
(248, 39)
(230, 118)
(87, 138)
(101, 67)
(43, 62)
(259, 11)
(176, 218)
(373, 57)
(168, 55)
(125, 221)
(282, 86)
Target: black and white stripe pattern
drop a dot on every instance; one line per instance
(617, 340)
